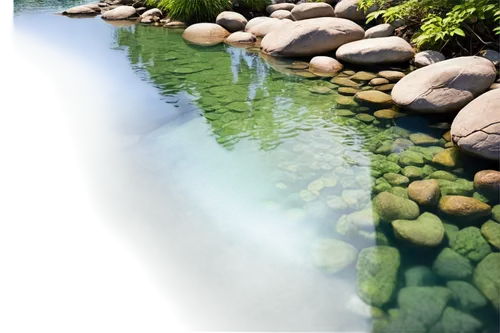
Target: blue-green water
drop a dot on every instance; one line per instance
(235, 165)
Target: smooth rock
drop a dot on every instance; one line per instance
(119, 13)
(446, 86)
(419, 276)
(205, 34)
(461, 207)
(423, 139)
(385, 87)
(377, 269)
(426, 230)
(487, 182)
(282, 14)
(264, 28)
(152, 12)
(452, 266)
(491, 232)
(381, 30)
(487, 278)
(491, 55)
(466, 295)
(425, 192)
(424, 304)
(373, 97)
(310, 10)
(241, 37)
(345, 82)
(81, 10)
(426, 58)
(454, 321)
(495, 213)
(392, 76)
(311, 37)
(279, 6)
(322, 64)
(349, 9)
(378, 81)
(450, 157)
(387, 114)
(333, 255)
(231, 21)
(390, 207)
(255, 21)
(374, 51)
(363, 76)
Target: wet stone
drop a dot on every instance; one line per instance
(491, 232)
(320, 90)
(384, 87)
(378, 81)
(333, 255)
(364, 117)
(487, 278)
(423, 139)
(363, 76)
(347, 91)
(396, 179)
(427, 230)
(387, 114)
(456, 321)
(345, 82)
(452, 266)
(466, 295)
(425, 192)
(391, 207)
(470, 243)
(412, 172)
(418, 276)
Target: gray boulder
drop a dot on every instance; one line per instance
(279, 6)
(282, 14)
(82, 10)
(265, 27)
(241, 37)
(120, 13)
(426, 58)
(231, 21)
(255, 21)
(381, 30)
(349, 9)
(374, 51)
(309, 10)
(446, 86)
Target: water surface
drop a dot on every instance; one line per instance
(224, 168)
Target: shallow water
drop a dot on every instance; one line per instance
(229, 167)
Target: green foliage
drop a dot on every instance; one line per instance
(194, 10)
(436, 23)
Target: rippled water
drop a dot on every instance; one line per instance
(241, 164)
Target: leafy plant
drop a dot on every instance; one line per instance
(434, 24)
(194, 10)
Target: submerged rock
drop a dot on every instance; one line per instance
(463, 208)
(466, 295)
(418, 276)
(328, 32)
(424, 304)
(488, 182)
(392, 76)
(487, 278)
(426, 58)
(446, 86)
(452, 266)
(454, 321)
(231, 21)
(205, 34)
(450, 157)
(491, 232)
(391, 207)
(425, 192)
(470, 243)
(309, 10)
(373, 97)
(374, 51)
(426, 230)
(333, 255)
(377, 269)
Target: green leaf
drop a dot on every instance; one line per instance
(459, 32)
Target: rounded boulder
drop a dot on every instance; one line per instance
(231, 21)
(205, 34)
(310, 10)
(373, 51)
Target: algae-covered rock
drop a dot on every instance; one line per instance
(460, 186)
(487, 278)
(412, 172)
(400, 192)
(495, 213)
(424, 192)
(452, 266)
(464, 208)
(450, 157)
(409, 157)
(466, 295)
(450, 232)
(396, 179)
(471, 244)
(417, 276)
(491, 232)
(373, 97)
(427, 230)
(454, 321)
(391, 207)
(333, 255)
(487, 182)
(423, 139)
(440, 174)
(377, 269)
(425, 304)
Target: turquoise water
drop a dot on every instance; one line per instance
(237, 166)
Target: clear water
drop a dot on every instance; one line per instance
(230, 166)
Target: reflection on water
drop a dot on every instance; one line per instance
(249, 191)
